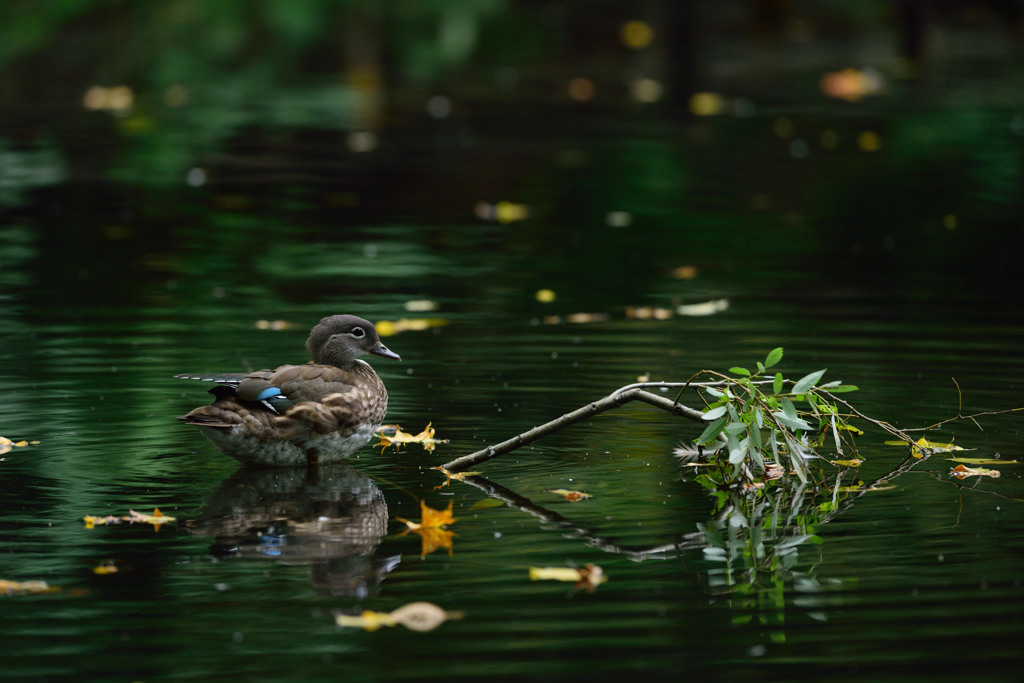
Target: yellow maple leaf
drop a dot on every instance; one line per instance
(429, 517)
(424, 438)
(434, 538)
(431, 528)
(156, 519)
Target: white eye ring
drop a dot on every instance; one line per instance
(358, 332)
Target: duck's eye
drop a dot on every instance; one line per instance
(358, 332)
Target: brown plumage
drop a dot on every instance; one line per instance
(316, 413)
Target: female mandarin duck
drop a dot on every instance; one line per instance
(317, 413)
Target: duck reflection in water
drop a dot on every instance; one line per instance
(331, 518)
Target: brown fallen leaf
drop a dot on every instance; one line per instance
(571, 496)
(416, 616)
(424, 438)
(962, 472)
(588, 577)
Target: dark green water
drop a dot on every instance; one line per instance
(896, 269)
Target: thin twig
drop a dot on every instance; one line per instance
(613, 400)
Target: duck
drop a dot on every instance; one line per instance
(313, 414)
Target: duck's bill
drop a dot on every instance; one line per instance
(380, 350)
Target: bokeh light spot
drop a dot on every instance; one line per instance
(869, 141)
(581, 89)
(646, 90)
(636, 34)
(706, 104)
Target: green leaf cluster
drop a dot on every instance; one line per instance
(764, 418)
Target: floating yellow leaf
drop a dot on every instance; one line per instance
(431, 528)
(369, 621)
(571, 496)
(936, 447)
(429, 517)
(435, 538)
(487, 503)
(923, 446)
(861, 488)
(589, 577)
(457, 476)
(416, 616)
(6, 445)
(388, 328)
(108, 567)
(91, 521)
(156, 519)
(856, 462)
(962, 472)
(424, 438)
(985, 461)
(703, 309)
(25, 587)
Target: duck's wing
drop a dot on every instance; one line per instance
(312, 382)
(256, 387)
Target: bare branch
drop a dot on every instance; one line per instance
(613, 400)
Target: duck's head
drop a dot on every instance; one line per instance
(339, 339)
